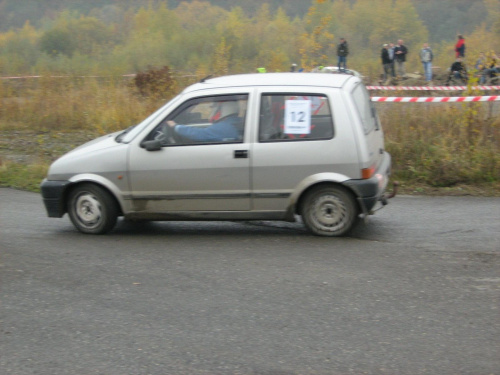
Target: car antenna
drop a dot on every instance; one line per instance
(207, 77)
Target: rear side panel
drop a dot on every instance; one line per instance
(280, 167)
(367, 128)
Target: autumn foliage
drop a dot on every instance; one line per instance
(155, 82)
(198, 36)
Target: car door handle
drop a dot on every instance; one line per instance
(241, 154)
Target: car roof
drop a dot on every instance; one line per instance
(329, 69)
(274, 79)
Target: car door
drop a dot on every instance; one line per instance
(192, 175)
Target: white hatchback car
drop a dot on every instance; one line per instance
(245, 147)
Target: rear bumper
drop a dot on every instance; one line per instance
(53, 197)
(372, 190)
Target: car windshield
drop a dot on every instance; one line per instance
(129, 134)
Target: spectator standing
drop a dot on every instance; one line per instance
(460, 47)
(426, 57)
(391, 57)
(386, 62)
(342, 52)
(400, 52)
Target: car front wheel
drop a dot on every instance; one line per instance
(329, 211)
(92, 209)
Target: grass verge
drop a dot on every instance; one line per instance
(22, 176)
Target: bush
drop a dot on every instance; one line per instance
(156, 83)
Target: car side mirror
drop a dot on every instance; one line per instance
(154, 145)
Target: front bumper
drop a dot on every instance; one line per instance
(53, 193)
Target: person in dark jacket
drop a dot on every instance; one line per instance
(386, 61)
(458, 71)
(400, 52)
(342, 52)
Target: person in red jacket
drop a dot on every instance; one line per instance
(460, 47)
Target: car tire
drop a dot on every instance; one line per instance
(329, 211)
(92, 209)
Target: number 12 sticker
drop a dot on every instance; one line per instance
(298, 117)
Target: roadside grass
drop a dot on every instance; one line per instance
(444, 146)
(436, 148)
(22, 176)
(65, 104)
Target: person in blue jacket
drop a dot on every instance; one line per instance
(226, 126)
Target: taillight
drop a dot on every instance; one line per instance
(367, 172)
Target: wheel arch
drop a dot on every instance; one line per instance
(97, 180)
(329, 209)
(300, 199)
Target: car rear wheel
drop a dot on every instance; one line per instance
(329, 211)
(92, 209)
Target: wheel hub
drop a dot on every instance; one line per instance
(329, 213)
(88, 209)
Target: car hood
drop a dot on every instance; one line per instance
(99, 143)
(97, 156)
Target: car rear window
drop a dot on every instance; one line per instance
(365, 108)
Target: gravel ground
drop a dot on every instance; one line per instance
(26, 146)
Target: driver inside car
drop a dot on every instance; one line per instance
(226, 125)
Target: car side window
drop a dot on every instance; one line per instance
(295, 117)
(206, 120)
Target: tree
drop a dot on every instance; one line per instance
(239, 34)
(57, 41)
(19, 49)
(493, 19)
(370, 27)
(220, 64)
(445, 18)
(199, 14)
(317, 43)
(279, 43)
(88, 33)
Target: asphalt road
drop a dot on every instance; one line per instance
(415, 290)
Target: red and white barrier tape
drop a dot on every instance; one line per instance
(456, 99)
(431, 88)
